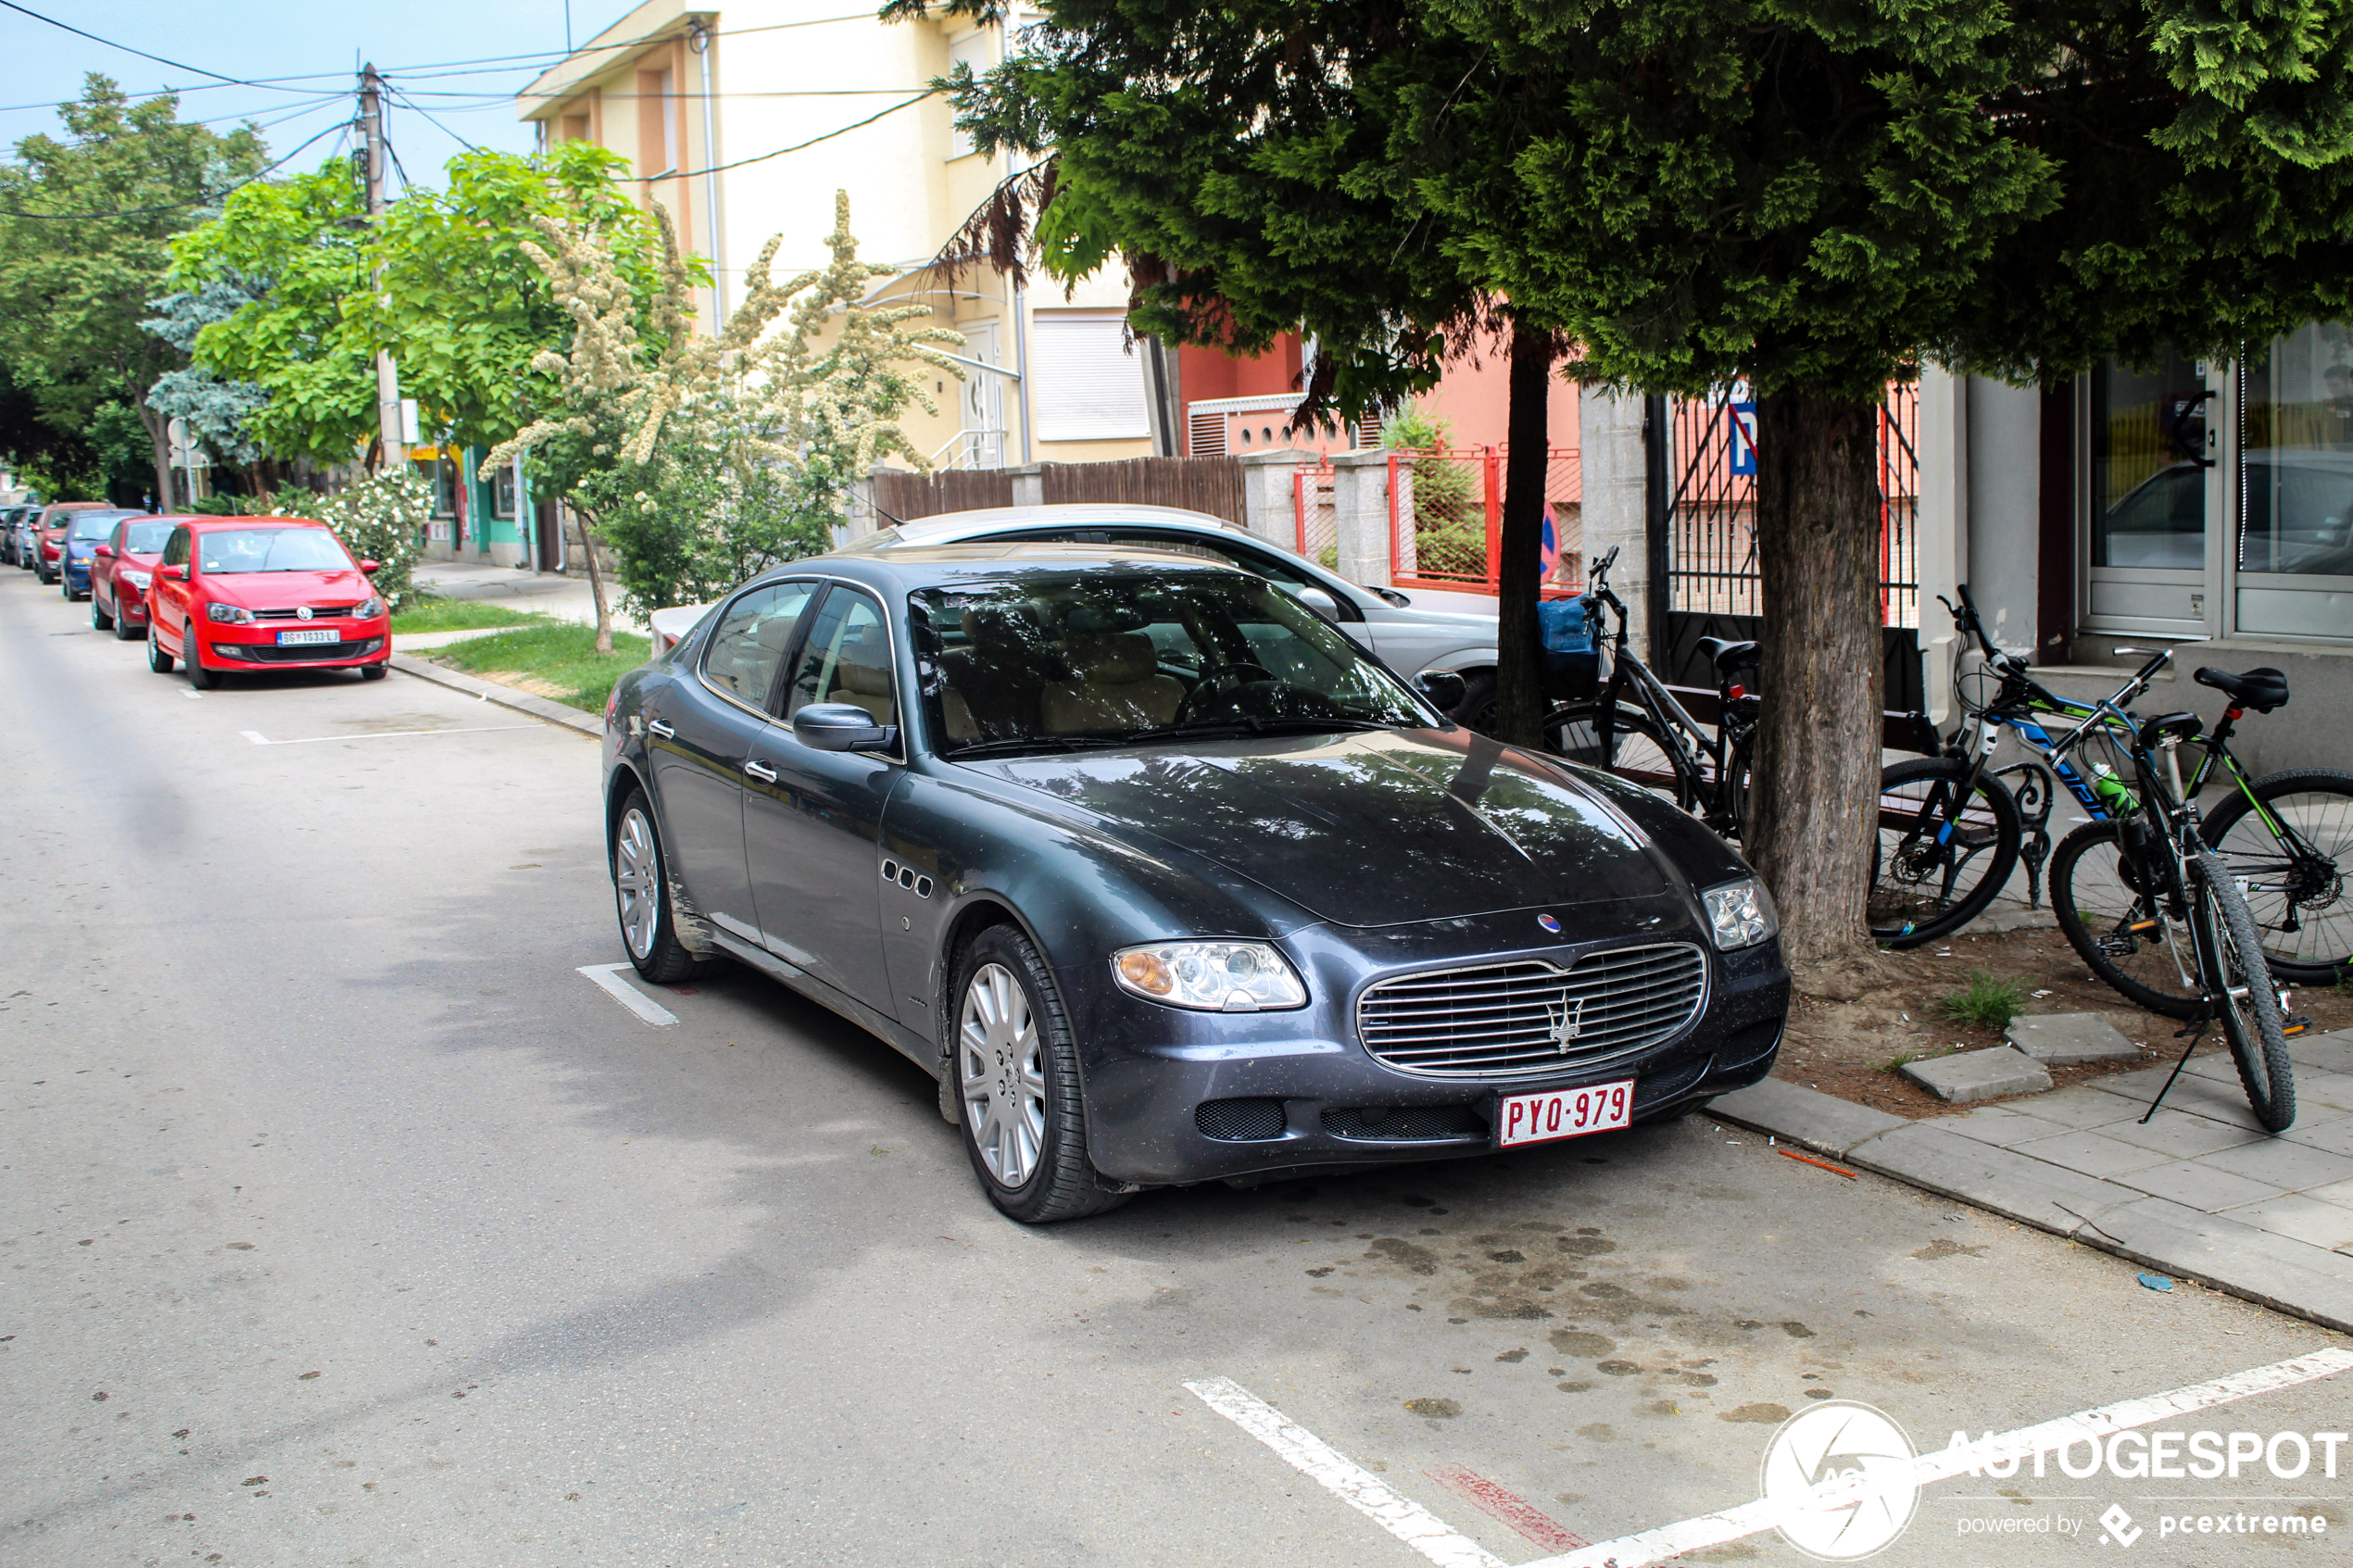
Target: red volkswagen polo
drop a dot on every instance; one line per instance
(120, 571)
(255, 592)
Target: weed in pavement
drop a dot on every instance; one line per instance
(1990, 1002)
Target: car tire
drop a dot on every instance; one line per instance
(374, 672)
(1021, 1108)
(124, 632)
(158, 660)
(1477, 711)
(99, 619)
(641, 897)
(204, 680)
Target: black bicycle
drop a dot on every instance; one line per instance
(1948, 838)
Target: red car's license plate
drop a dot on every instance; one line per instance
(1564, 1113)
(325, 634)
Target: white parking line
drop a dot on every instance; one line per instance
(1347, 1480)
(260, 739)
(608, 976)
(1749, 1519)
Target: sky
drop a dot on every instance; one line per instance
(447, 61)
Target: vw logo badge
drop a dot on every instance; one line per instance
(1549, 923)
(303, 614)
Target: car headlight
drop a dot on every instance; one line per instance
(1210, 977)
(368, 608)
(234, 615)
(1740, 914)
(138, 580)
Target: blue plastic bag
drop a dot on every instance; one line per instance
(1566, 627)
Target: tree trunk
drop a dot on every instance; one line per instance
(596, 579)
(159, 443)
(1816, 797)
(1519, 664)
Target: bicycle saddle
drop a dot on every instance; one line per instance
(1728, 656)
(2261, 689)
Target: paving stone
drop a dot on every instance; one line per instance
(2001, 1125)
(1797, 1114)
(2323, 1091)
(1969, 1075)
(2199, 1185)
(2178, 1134)
(2093, 1154)
(2291, 1167)
(2058, 1038)
(2195, 1095)
(2301, 1216)
(2323, 1053)
(2081, 1106)
(2338, 1192)
(2004, 1180)
(2335, 1137)
(2277, 1271)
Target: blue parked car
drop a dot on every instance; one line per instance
(89, 530)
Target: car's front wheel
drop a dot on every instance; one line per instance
(1016, 1067)
(99, 619)
(204, 680)
(158, 660)
(641, 897)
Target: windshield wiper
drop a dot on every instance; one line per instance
(1025, 746)
(1249, 724)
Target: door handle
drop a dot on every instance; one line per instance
(765, 775)
(658, 727)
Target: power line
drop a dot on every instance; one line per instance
(415, 109)
(233, 81)
(205, 200)
(763, 157)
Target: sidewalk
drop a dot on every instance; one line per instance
(2199, 1191)
(545, 593)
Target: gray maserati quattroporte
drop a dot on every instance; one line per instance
(1164, 878)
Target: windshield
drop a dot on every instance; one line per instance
(1056, 661)
(271, 549)
(98, 525)
(145, 538)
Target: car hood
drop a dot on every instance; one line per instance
(283, 590)
(1439, 601)
(1365, 829)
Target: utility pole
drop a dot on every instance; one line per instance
(371, 123)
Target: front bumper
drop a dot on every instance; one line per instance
(257, 648)
(1312, 1097)
(77, 577)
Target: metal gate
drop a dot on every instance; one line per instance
(1714, 586)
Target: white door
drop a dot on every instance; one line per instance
(2158, 503)
(983, 401)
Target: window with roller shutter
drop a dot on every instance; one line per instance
(1087, 387)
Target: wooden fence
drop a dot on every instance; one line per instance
(1201, 484)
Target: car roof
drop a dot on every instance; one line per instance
(943, 527)
(913, 567)
(201, 523)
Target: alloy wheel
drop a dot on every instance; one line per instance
(1001, 1070)
(637, 882)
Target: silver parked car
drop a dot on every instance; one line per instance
(1409, 631)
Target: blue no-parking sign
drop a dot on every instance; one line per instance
(1743, 445)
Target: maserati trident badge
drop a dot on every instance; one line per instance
(1568, 1014)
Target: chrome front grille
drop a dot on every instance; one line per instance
(1532, 1016)
(317, 612)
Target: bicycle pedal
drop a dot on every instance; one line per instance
(2296, 1026)
(2144, 925)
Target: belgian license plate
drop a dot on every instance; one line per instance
(1564, 1113)
(322, 635)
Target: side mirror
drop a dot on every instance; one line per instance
(1320, 601)
(104, 551)
(1443, 687)
(372, 567)
(836, 726)
(172, 573)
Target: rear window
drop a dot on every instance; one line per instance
(234, 551)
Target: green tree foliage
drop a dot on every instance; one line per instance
(704, 461)
(216, 412)
(1814, 197)
(85, 225)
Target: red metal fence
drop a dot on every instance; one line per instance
(1446, 517)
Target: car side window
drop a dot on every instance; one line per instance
(748, 644)
(1258, 563)
(175, 552)
(846, 659)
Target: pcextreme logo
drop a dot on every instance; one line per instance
(1841, 1440)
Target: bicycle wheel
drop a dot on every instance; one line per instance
(1938, 860)
(2116, 929)
(1637, 752)
(2292, 861)
(2240, 983)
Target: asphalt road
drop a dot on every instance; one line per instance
(348, 1223)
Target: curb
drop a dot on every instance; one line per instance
(2271, 1271)
(571, 719)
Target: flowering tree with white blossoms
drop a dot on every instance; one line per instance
(701, 461)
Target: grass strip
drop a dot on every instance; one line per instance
(559, 653)
(458, 615)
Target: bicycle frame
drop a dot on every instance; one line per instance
(1688, 740)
